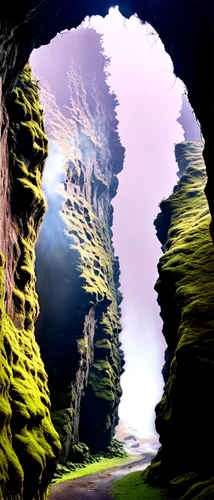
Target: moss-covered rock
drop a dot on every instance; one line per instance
(29, 443)
(79, 453)
(115, 449)
(78, 273)
(184, 417)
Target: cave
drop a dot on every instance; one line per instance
(42, 418)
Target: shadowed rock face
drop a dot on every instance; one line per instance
(185, 294)
(78, 274)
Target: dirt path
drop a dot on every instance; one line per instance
(96, 486)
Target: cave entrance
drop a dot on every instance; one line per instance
(116, 89)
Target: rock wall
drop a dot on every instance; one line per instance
(78, 273)
(186, 29)
(29, 443)
(184, 417)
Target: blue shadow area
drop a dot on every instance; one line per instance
(57, 280)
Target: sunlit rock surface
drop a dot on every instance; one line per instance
(184, 417)
(29, 444)
(78, 274)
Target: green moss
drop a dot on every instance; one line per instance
(95, 257)
(91, 239)
(29, 443)
(203, 490)
(115, 449)
(93, 310)
(28, 439)
(133, 487)
(186, 295)
(103, 344)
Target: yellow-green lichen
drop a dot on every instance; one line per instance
(90, 238)
(90, 144)
(29, 443)
(186, 296)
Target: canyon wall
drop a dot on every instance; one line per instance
(186, 29)
(77, 271)
(29, 444)
(80, 321)
(184, 417)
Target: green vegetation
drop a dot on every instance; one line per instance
(115, 449)
(133, 487)
(186, 296)
(29, 443)
(87, 139)
(91, 240)
(95, 251)
(84, 470)
(80, 457)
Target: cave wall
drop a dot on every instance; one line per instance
(29, 443)
(186, 29)
(184, 416)
(77, 271)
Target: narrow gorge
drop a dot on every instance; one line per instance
(60, 316)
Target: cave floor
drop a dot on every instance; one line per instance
(97, 486)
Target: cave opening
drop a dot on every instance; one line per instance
(61, 395)
(84, 86)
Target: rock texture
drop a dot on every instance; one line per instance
(185, 294)
(186, 29)
(78, 274)
(29, 443)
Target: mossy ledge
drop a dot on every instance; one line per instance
(29, 443)
(185, 415)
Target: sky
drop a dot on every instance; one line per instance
(150, 97)
(150, 100)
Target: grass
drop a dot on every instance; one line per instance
(103, 464)
(133, 487)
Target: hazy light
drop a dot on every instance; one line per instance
(141, 75)
(150, 96)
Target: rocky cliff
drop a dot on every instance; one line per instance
(29, 444)
(186, 29)
(185, 295)
(78, 274)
